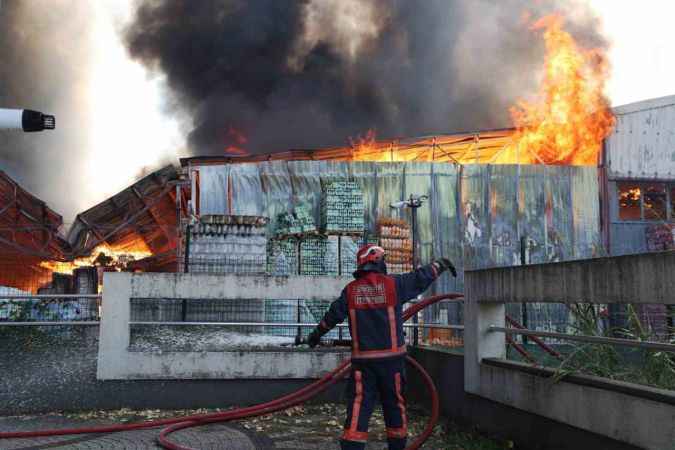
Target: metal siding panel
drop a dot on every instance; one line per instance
(559, 214)
(643, 144)
(277, 189)
(333, 170)
(306, 183)
(586, 212)
(213, 189)
(389, 181)
(247, 193)
(504, 243)
(531, 211)
(417, 179)
(628, 238)
(365, 173)
(445, 223)
(475, 216)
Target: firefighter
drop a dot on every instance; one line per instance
(373, 303)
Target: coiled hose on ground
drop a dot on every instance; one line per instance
(285, 402)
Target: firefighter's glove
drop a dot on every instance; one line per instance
(314, 338)
(444, 264)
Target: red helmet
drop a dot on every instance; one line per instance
(369, 253)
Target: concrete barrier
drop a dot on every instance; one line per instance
(117, 362)
(630, 416)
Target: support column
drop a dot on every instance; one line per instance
(478, 342)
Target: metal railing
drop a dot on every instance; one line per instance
(284, 324)
(588, 339)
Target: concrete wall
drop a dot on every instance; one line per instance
(625, 416)
(116, 362)
(525, 429)
(45, 369)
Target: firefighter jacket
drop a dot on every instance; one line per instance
(373, 303)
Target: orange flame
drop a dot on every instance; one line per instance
(102, 255)
(366, 148)
(238, 139)
(568, 125)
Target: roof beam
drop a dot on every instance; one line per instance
(153, 214)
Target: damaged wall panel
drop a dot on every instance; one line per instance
(476, 214)
(504, 244)
(531, 212)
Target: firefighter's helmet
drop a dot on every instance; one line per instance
(369, 253)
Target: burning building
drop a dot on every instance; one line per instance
(29, 235)
(135, 229)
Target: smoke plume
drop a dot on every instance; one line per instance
(278, 74)
(44, 57)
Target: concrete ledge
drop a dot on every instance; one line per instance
(645, 423)
(635, 390)
(224, 365)
(527, 430)
(117, 362)
(644, 278)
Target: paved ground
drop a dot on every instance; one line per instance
(306, 428)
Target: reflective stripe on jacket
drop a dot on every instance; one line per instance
(374, 305)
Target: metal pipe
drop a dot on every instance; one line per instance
(588, 339)
(25, 120)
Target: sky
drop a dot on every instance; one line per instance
(142, 131)
(642, 40)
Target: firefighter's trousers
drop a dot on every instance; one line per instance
(384, 378)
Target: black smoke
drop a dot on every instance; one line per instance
(434, 66)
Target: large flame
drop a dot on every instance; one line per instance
(572, 117)
(102, 255)
(366, 148)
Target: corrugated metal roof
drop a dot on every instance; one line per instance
(642, 144)
(478, 147)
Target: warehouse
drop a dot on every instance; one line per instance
(639, 168)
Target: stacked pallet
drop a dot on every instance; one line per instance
(396, 240)
(228, 244)
(288, 224)
(319, 255)
(294, 224)
(342, 209)
(312, 254)
(305, 218)
(282, 257)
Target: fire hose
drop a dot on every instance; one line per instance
(279, 404)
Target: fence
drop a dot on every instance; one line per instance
(26, 309)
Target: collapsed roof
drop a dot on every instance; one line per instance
(141, 216)
(29, 234)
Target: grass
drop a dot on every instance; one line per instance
(630, 364)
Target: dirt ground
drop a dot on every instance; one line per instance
(305, 427)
